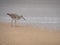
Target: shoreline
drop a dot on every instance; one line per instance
(28, 35)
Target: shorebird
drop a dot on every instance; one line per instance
(14, 18)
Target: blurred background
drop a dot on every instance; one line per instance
(36, 12)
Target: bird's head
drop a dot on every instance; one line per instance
(22, 17)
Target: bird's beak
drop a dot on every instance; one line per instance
(24, 18)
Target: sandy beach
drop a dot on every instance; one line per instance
(27, 35)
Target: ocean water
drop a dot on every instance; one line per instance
(48, 22)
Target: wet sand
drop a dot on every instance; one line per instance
(27, 35)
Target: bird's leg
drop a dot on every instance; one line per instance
(11, 22)
(15, 22)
